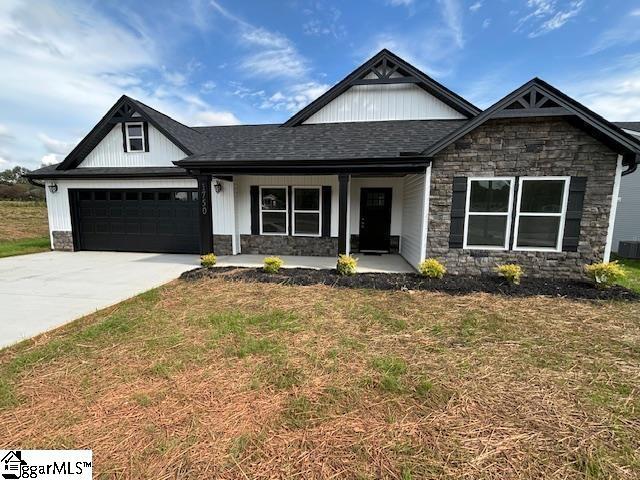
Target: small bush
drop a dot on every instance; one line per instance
(208, 260)
(605, 274)
(432, 268)
(511, 272)
(272, 264)
(346, 265)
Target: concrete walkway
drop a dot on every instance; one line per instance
(366, 263)
(43, 291)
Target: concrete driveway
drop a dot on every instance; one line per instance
(45, 290)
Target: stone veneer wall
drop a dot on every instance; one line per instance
(524, 147)
(222, 245)
(62, 241)
(289, 245)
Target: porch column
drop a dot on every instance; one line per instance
(204, 214)
(343, 218)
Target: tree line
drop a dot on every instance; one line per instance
(13, 186)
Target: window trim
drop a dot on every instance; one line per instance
(508, 213)
(129, 137)
(285, 211)
(294, 211)
(562, 214)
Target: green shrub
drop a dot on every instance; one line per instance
(511, 272)
(272, 264)
(346, 265)
(605, 274)
(432, 268)
(208, 260)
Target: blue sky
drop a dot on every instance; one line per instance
(206, 62)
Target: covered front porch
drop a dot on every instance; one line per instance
(386, 263)
(378, 212)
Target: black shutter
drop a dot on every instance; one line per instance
(255, 210)
(326, 211)
(577, 188)
(145, 129)
(290, 195)
(124, 136)
(458, 206)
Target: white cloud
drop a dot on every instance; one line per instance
(4, 132)
(324, 20)
(547, 15)
(295, 98)
(53, 145)
(207, 86)
(452, 16)
(404, 3)
(51, 159)
(626, 32)
(613, 92)
(271, 55)
(475, 7)
(211, 117)
(65, 63)
(486, 23)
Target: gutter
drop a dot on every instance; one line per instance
(34, 183)
(631, 162)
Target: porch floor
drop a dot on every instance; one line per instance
(389, 263)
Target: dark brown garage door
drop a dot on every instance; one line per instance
(136, 220)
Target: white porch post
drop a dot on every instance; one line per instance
(612, 212)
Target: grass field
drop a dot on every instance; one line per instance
(215, 379)
(23, 228)
(632, 269)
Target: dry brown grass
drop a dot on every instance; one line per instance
(215, 379)
(19, 220)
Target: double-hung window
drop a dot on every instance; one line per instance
(135, 137)
(307, 211)
(274, 207)
(540, 213)
(488, 213)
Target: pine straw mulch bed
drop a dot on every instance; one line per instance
(237, 380)
(451, 284)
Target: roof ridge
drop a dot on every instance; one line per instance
(159, 112)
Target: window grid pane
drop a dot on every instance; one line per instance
(487, 230)
(542, 196)
(489, 196)
(307, 223)
(541, 209)
(541, 232)
(274, 199)
(306, 199)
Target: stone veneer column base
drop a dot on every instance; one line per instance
(62, 241)
(222, 245)
(289, 245)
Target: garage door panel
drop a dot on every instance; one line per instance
(138, 220)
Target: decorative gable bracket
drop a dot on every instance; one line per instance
(126, 113)
(531, 103)
(385, 71)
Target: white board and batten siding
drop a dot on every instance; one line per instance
(415, 211)
(405, 101)
(627, 222)
(110, 152)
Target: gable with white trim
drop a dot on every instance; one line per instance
(110, 152)
(395, 101)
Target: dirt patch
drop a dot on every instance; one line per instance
(455, 285)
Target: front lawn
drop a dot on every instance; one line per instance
(632, 269)
(23, 228)
(219, 379)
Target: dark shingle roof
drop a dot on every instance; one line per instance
(51, 172)
(635, 126)
(189, 137)
(321, 141)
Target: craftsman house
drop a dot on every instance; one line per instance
(387, 160)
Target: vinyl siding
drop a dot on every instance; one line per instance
(627, 226)
(110, 152)
(412, 243)
(384, 102)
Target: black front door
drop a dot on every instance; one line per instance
(375, 219)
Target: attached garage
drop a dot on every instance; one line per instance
(135, 220)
